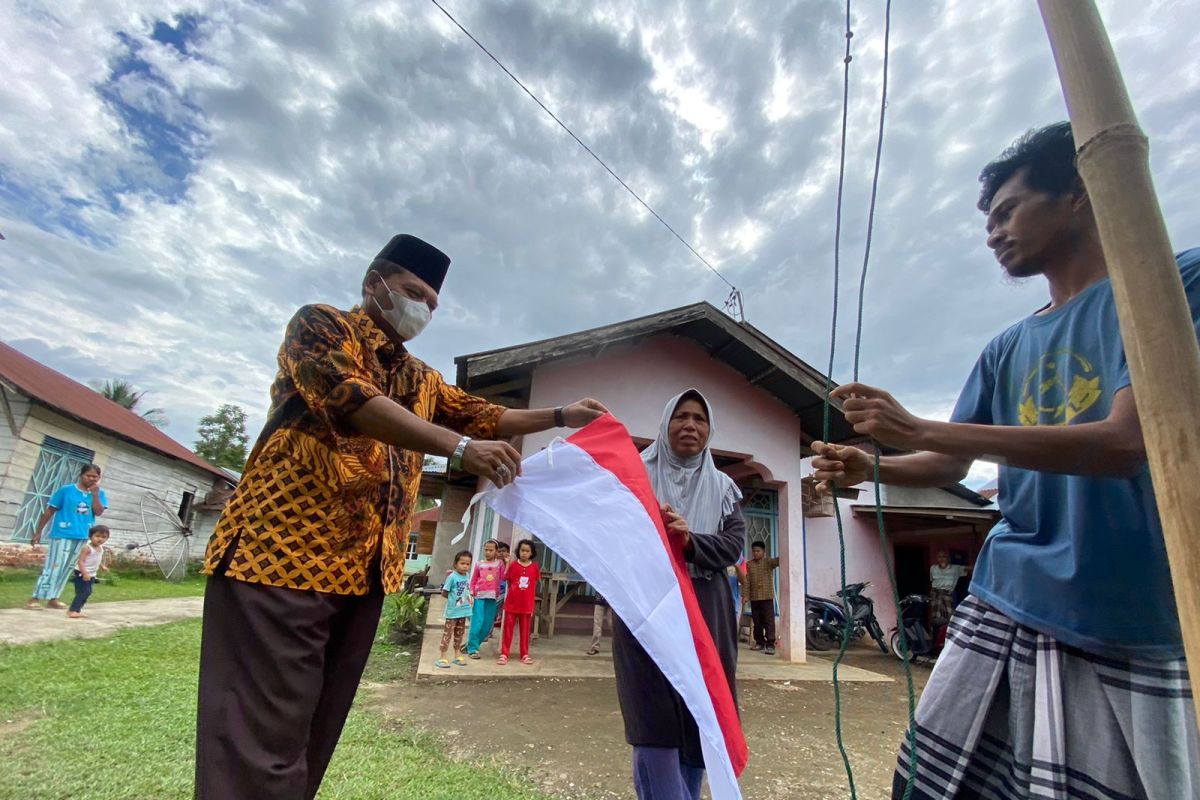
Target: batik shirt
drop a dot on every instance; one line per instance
(760, 580)
(320, 506)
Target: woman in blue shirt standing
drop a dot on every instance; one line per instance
(74, 509)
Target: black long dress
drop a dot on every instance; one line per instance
(655, 715)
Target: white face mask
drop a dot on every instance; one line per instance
(407, 317)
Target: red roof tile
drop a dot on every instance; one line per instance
(73, 399)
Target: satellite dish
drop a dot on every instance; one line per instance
(168, 538)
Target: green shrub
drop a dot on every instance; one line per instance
(404, 616)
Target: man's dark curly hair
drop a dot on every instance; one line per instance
(1049, 154)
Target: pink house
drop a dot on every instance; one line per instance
(767, 407)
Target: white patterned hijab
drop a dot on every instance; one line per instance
(693, 486)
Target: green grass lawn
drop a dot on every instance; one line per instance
(17, 584)
(103, 719)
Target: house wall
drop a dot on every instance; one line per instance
(9, 441)
(129, 473)
(635, 382)
(39, 423)
(864, 559)
(864, 552)
(454, 505)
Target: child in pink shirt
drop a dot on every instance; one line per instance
(485, 587)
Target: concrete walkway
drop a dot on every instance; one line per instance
(565, 656)
(21, 626)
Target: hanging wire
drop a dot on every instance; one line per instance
(902, 639)
(885, 547)
(827, 414)
(581, 143)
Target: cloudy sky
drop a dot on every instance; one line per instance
(177, 177)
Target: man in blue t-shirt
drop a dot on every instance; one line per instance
(74, 509)
(1063, 673)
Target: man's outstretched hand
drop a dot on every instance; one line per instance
(875, 413)
(838, 465)
(582, 412)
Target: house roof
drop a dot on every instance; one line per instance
(88, 407)
(764, 362)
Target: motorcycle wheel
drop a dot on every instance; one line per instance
(897, 652)
(816, 637)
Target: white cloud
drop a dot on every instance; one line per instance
(314, 131)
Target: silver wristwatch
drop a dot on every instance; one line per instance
(457, 458)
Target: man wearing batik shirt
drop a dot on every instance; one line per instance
(313, 537)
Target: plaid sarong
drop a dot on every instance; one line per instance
(941, 606)
(1011, 714)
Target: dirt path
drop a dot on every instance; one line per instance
(568, 736)
(21, 626)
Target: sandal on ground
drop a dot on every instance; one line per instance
(593, 651)
(459, 661)
(502, 660)
(56, 604)
(442, 663)
(76, 615)
(473, 655)
(770, 651)
(526, 660)
(34, 605)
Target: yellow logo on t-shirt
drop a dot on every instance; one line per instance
(1062, 386)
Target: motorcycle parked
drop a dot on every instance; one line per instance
(826, 619)
(922, 641)
(825, 623)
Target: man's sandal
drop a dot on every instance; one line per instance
(442, 663)
(459, 661)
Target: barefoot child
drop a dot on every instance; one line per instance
(458, 608)
(90, 561)
(523, 575)
(485, 587)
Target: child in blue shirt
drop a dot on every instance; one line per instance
(457, 591)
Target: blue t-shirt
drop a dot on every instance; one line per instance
(73, 516)
(1078, 558)
(458, 598)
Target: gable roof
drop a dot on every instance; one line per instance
(88, 407)
(763, 361)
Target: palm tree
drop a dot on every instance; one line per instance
(123, 394)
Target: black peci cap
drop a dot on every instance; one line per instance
(418, 257)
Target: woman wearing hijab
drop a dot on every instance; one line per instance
(700, 504)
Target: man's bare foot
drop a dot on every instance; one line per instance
(76, 614)
(34, 605)
(58, 604)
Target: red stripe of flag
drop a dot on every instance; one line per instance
(607, 442)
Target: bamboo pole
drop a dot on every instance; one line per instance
(1156, 325)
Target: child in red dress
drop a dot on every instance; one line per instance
(522, 578)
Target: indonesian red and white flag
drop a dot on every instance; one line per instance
(589, 499)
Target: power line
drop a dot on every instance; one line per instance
(600, 161)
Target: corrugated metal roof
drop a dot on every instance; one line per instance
(87, 406)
